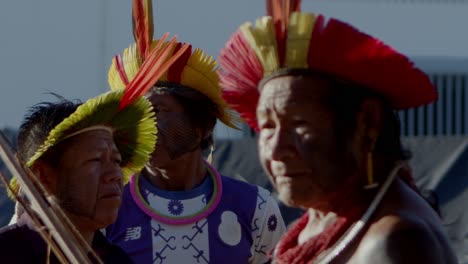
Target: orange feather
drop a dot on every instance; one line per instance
(156, 64)
(143, 26)
(280, 11)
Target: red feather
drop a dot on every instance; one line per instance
(143, 26)
(280, 11)
(121, 69)
(335, 48)
(175, 71)
(155, 65)
(240, 74)
(339, 49)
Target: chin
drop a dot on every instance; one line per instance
(106, 215)
(297, 198)
(103, 220)
(289, 199)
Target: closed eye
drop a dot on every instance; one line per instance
(96, 159)
(265, 124)
(300, 122)
(158, 109)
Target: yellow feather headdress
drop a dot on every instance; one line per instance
(195, 70)
(124, 111)
(288, 39)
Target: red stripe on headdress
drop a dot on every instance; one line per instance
(240, 74)
(280, 11)
(156, 64)
(121, 69)
(175, 71)
(142, 26)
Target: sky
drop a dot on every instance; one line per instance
(65, 47)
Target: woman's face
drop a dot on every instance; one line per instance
(300, 144)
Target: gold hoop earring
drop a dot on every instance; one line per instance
(370, 172)
(210, 156)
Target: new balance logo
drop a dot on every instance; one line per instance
(133, 233)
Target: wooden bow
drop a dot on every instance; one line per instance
(49, 219)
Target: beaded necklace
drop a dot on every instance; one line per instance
(175, 220)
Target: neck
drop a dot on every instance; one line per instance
(83, 225)
(317, 223)
(347, 199)
(182, 174)
(84, 228)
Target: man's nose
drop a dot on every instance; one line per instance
(113, 172)
(281, 145)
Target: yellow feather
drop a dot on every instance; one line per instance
(114, 80)
(262, 40)
(131, 61)
(300, 30)
(200, 74)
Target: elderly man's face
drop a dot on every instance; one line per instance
(299, 141)
(89, 178)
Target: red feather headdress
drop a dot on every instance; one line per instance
(124, 112)
(192, 69)
(287, 38)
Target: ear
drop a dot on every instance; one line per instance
(203, 133)
(207, 133)
(370, 121)
(46, 175)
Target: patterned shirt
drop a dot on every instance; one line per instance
(244, 227)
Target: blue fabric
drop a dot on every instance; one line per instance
(237, 197)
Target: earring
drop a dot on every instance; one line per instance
(370, 172)
(370, 164)
(210, 157)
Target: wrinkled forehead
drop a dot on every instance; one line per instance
(98, 138)
(286, 90)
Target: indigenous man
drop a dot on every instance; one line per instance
(322, 96)
(82, 172)
(179, 209)
(83, 155)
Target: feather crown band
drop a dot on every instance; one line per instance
(195, 69)
(125, 112)
(133, 128)
(289, 39)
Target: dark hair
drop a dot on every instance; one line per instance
(201, 110)
(347, 100)
(38, 123)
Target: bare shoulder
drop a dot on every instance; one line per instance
(397, 239)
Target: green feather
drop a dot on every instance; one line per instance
(134, 129)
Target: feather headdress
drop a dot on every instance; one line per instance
(194, 69)
(289, 39)
(124, 112)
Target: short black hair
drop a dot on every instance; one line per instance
(201, 110)
(39, 122)
(347, 99)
